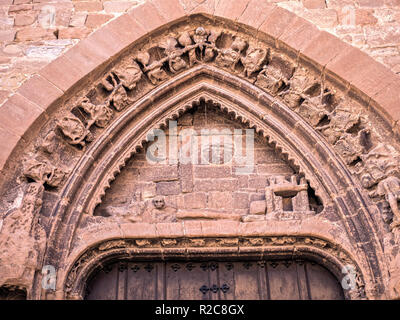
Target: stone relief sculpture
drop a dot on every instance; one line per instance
(274, 76)
(150, 211)
(74, 131)
(43, 172)
(324, 109)
(283, 200)
(154, 70)
(100, 114)
(340, 123)
(379, 173)
(389, 188)
(253, 60)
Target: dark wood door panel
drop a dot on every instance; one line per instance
(214, 280)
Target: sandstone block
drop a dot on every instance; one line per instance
(7, 35)
(34, 34)
(204, 172)
(314, 4)
(89, 6)
(168, 188)
(96, 20)
(24, 19)
(74, 33)
(220, 200)
(195, 200)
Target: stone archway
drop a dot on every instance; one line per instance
(321, 127)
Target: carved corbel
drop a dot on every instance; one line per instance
(43, 172)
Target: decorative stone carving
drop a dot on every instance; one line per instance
(154, 211)
(74, 130)
(301, 86)
(298, 89)
(175, 59)
(379, 163)
(211, 47)
(253, 60)
(389, 188)
(228, 58)
(118, 82)
(119, 98)
(98, 114)
(313, 109)
(129, 75)
(351, 146)
(342, 120)
(275, 76)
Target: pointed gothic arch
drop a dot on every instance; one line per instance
(82, 142)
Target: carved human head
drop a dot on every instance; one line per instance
(159, 202)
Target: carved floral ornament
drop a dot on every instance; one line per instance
(332, 114)
(95, 258)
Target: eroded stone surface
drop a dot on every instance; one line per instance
(165, 196)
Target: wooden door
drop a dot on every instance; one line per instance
(214, 280)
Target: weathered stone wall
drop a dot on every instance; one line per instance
(27, 43)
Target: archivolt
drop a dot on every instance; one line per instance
(292, 135)
(323, 251)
